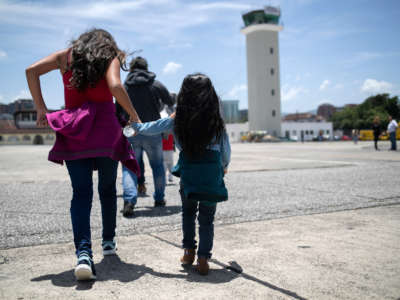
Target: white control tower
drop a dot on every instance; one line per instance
(264, 93)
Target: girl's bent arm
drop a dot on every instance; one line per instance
(225, 150)
(113, 79)
(33, 72)
(155, 127)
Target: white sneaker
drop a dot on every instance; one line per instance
(85, 270)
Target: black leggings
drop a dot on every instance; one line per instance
(376, 143)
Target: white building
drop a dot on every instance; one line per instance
(263, 76)
(309, 130)
(236, 130)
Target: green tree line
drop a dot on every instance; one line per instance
(362, 115)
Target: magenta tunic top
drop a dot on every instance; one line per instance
(90, 130)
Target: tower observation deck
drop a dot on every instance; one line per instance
(263, 75)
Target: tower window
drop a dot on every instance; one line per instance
(272, 92)
(273, 112)
(272, 71)
(271, 50)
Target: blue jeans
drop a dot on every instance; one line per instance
(141, 179)
(80, 172)
(152, 145)
(392, 136)
(206, 225)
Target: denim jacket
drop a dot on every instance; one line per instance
(167, 124)
(202, 178)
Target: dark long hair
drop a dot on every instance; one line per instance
(92, 54)
(198, 120)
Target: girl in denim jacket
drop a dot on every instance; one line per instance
(200, 134)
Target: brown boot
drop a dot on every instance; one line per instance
(202, 265)
(188, 256)
(142, 189)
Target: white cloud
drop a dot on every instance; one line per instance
(23, 94)
(324, 84)
(291, 93)
(375, 86)
(3, 54)
(147, 20)
(234, 93)
(171, 68)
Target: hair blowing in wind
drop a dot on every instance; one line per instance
(92, 53)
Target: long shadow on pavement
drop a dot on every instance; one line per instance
(225, 274)
(150, 211)
(110, 268)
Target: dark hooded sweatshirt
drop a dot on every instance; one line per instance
(148, 96)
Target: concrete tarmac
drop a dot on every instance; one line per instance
(304, 221)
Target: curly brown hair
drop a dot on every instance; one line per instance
(92, 54)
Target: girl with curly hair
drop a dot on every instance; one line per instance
(88, 135)
(200, 134)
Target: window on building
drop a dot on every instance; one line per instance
(272, 92)
(273, 112)
(327, 132)
(312, 131)
(13, 138)
(232, 134)
(307, 132)
(25, 117)
(26, 138)
(1, 138)
(294, 132)
(272, 71)
(271, 50)
(49, 137)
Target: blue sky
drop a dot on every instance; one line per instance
(330, 51)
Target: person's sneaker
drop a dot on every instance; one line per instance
(161, 203)
(188, 256)
(109, 247)
(128, 209)
(142, 189)
(85, 270)
(202, 266)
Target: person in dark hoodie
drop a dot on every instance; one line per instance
(148, 97)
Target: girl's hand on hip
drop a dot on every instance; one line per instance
(41, 120)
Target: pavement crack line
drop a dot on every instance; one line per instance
(232, 266)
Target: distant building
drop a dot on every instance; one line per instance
(326, 110)
(302, 117)
(20, 104)
(236, 130)
(4, 108)
(307, 130)
(230, 111)
(27, 136)
(25, 118)
(243, 115)
(21, 128)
